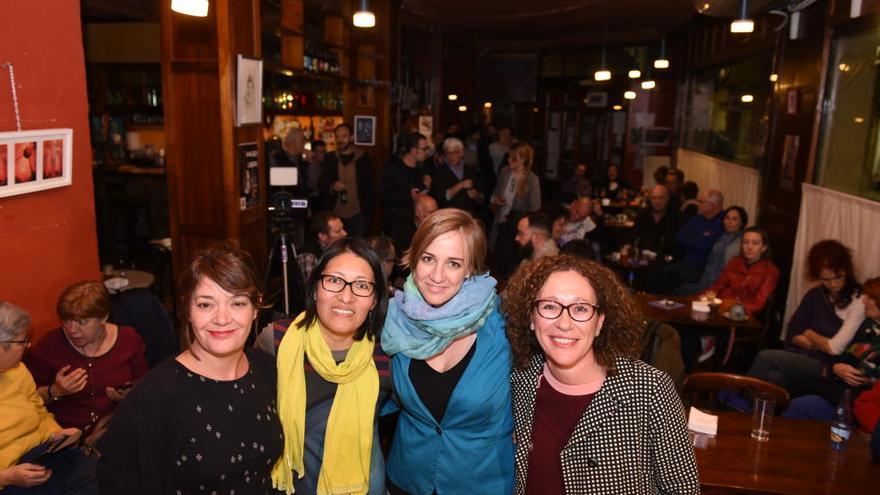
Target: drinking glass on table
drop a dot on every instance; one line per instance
(762, 416)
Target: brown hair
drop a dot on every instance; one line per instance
(448, 220)
(82, 300)
(527, 154)
(621, 332)
(872, 289)
(228, 266)
(836, 257)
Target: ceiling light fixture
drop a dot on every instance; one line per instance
(462, 108)
(195, 8)
(452, 96)
(743, 24)
(617, 108)
(649, 84)
(662, 62)
(774, 77)
(603, 74)
(629, 95)
(488, 104)
(634, 74)
(364, 17)
(746, 98)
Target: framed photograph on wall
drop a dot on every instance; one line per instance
(35, 160)
(364, 130)
(249, 91)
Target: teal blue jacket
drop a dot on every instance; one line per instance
(471, 450)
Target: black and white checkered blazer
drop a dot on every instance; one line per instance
(632, 439)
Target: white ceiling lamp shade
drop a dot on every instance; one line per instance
(364, 17)
(634, 73)
(662, 62)
(488, 104)
(742, 24)
(629, 95)
(462, 108)
(747, 98)
(617, 108)
(649, 84)
(452, 96)
(603, 74)
(195, 8)
(774, 77)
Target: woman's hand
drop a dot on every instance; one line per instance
(117, 394)
(819, 342)
(24, 475)
(68, 382)
(802, 341)
(850, 375)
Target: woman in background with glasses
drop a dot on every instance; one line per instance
(86, 367)
(333, 378)
(589, 415)
(450, 365)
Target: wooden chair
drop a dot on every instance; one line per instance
(702, 390)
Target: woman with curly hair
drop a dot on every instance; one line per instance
(588, 413)
(832, 309)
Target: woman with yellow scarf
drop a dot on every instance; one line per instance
(333, 378)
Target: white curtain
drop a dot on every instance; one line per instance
(827, 214)
(740, 185)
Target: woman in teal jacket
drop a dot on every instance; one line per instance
(450, 366)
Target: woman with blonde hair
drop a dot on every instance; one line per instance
(450, 366)
(517, 193)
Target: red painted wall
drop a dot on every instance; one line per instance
(47, 238)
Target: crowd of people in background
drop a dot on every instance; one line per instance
(489, 386)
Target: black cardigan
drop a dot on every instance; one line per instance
(138, 448)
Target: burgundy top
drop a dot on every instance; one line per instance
(123, 363)
(556, 416)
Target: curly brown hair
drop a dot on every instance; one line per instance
(624, 324)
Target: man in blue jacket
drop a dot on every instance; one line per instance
(695, 238)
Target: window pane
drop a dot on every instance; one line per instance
(848, 158)
(726, 114)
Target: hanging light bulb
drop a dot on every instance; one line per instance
(364, 17)
(662, 62)
(488, 104)
(196, 8)
(462, 108)
(743, 24)
(649, 84)
(452, 96)
(747, 98)
(774, 77)
(603, 74)
(629, 95)
(634, 73)
(617, 108)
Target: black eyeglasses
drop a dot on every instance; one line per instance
(25, 342)
(360, 288)
(551, 310)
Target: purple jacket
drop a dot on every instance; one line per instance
(815, 311)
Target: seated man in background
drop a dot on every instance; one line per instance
(325, 228)
(533, 237)
(656, 225)
(27, 429)
(696, 239)
(579, 222)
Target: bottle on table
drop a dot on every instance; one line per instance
(841, 425)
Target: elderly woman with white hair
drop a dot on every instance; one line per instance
(31, 461)
(455, 184)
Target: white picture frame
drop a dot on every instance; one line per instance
(365, 130)
(249, 91)
(35, 160)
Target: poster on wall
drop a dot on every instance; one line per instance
(35, 160)
(249, 169)
(789, 161)
(364, 130)
(249, 91)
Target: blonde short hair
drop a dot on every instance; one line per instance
(448, 220)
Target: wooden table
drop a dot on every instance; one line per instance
(796, 460)
(683, 316)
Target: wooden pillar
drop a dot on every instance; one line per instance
(199, 56)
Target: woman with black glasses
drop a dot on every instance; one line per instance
(589, 415)
(333, 378)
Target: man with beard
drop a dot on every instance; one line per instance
(533, 235)
(404, 180)
(346, 179)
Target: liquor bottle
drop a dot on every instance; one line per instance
(841, 424)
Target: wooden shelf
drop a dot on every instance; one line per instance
(288, 71)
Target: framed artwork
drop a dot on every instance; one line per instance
(249, 91)
(35, 160)
(364, 130)
(789, 161)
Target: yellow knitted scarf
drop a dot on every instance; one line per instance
(348, 441)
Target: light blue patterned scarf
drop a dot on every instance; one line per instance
(420, 330)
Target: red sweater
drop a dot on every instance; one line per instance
(867, 407)
(750, 285)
